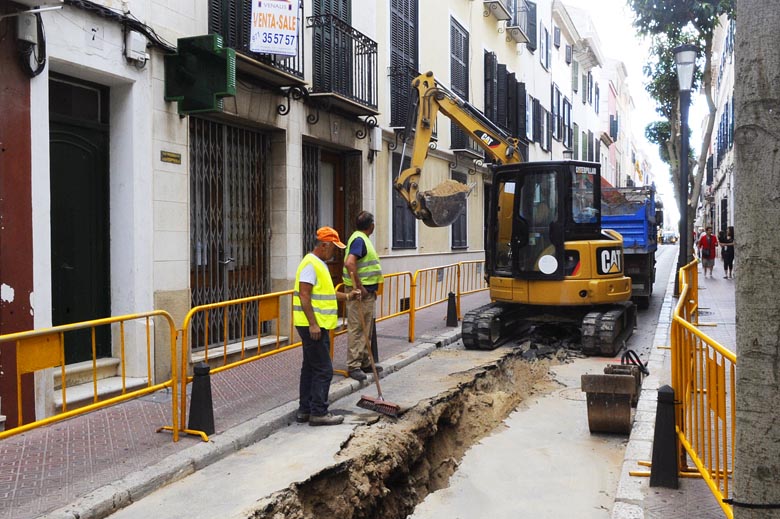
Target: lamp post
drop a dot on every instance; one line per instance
(685, 59)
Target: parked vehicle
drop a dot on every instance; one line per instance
(635, 214)
(547, 258)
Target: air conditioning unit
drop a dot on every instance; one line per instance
(39, 3)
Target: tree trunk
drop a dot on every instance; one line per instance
(757, 212)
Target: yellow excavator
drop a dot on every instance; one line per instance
(547, 259)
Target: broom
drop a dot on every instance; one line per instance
(379, 404)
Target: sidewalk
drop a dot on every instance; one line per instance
(94, 461)
(634, 498)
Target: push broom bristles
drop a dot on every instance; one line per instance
(379, 405)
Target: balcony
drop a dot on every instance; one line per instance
(499, 8)
(517, 27)
(232, 19)
(345, 66)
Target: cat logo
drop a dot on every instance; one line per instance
(610, 260)
(488, 139)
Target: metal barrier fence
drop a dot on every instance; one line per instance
(268, 309)
(704, 382)
(402, 293)
(45, 348)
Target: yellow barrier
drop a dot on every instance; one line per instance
(704, 382)
(45, 348)
(268, 310)
(429, 287)
(402, 293)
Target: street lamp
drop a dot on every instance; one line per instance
(685, 59)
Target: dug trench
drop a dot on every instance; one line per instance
(387, 468)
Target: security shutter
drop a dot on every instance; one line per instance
(229, 225)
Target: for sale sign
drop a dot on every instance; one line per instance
(274, 27)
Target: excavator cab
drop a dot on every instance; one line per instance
(538, 207)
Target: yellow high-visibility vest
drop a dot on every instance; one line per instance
(369, 270)
(323, 296)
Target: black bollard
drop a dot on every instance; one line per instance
(664, 470)
(201, 407)
(452, 311)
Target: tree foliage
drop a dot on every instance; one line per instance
(670, 23)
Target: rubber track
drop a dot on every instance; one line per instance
(605, 333)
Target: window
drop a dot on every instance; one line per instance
(545, 132)
(557, 115)
(598, 98)
(544, 46)
(590, 87)
(568, 57)
(566, 126)
(576, 143)
(537, 136)
(575, 76)
(591, 145)
(584, 143)
(404, 226)
(530, 121)
(403, 57)
(459, 73)
(556, 36)
(459, 238)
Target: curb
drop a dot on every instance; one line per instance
(109, 498)
(630, 494)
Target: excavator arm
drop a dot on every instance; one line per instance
(440, 206)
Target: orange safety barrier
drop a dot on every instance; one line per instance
(704, 382)
(402, 294)
(45, 348)
(431, 286)
(268, 309)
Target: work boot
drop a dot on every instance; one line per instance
(301, 417)
(326, 419)
(367, 369)
(357, 375)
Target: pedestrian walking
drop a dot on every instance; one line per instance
(727, 253)
(315, 313)
(708, 245)
(362, 264)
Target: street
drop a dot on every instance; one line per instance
(542, 461)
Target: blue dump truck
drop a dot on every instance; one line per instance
(635, 214)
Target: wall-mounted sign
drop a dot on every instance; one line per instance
(274, 27)
(170, 157)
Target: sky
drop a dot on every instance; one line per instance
(612, 19)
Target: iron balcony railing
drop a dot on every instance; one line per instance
(345, 60)
(233, 19)
(520, 16)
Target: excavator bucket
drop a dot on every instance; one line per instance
(442, 205)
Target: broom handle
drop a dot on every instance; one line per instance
(368, 340)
